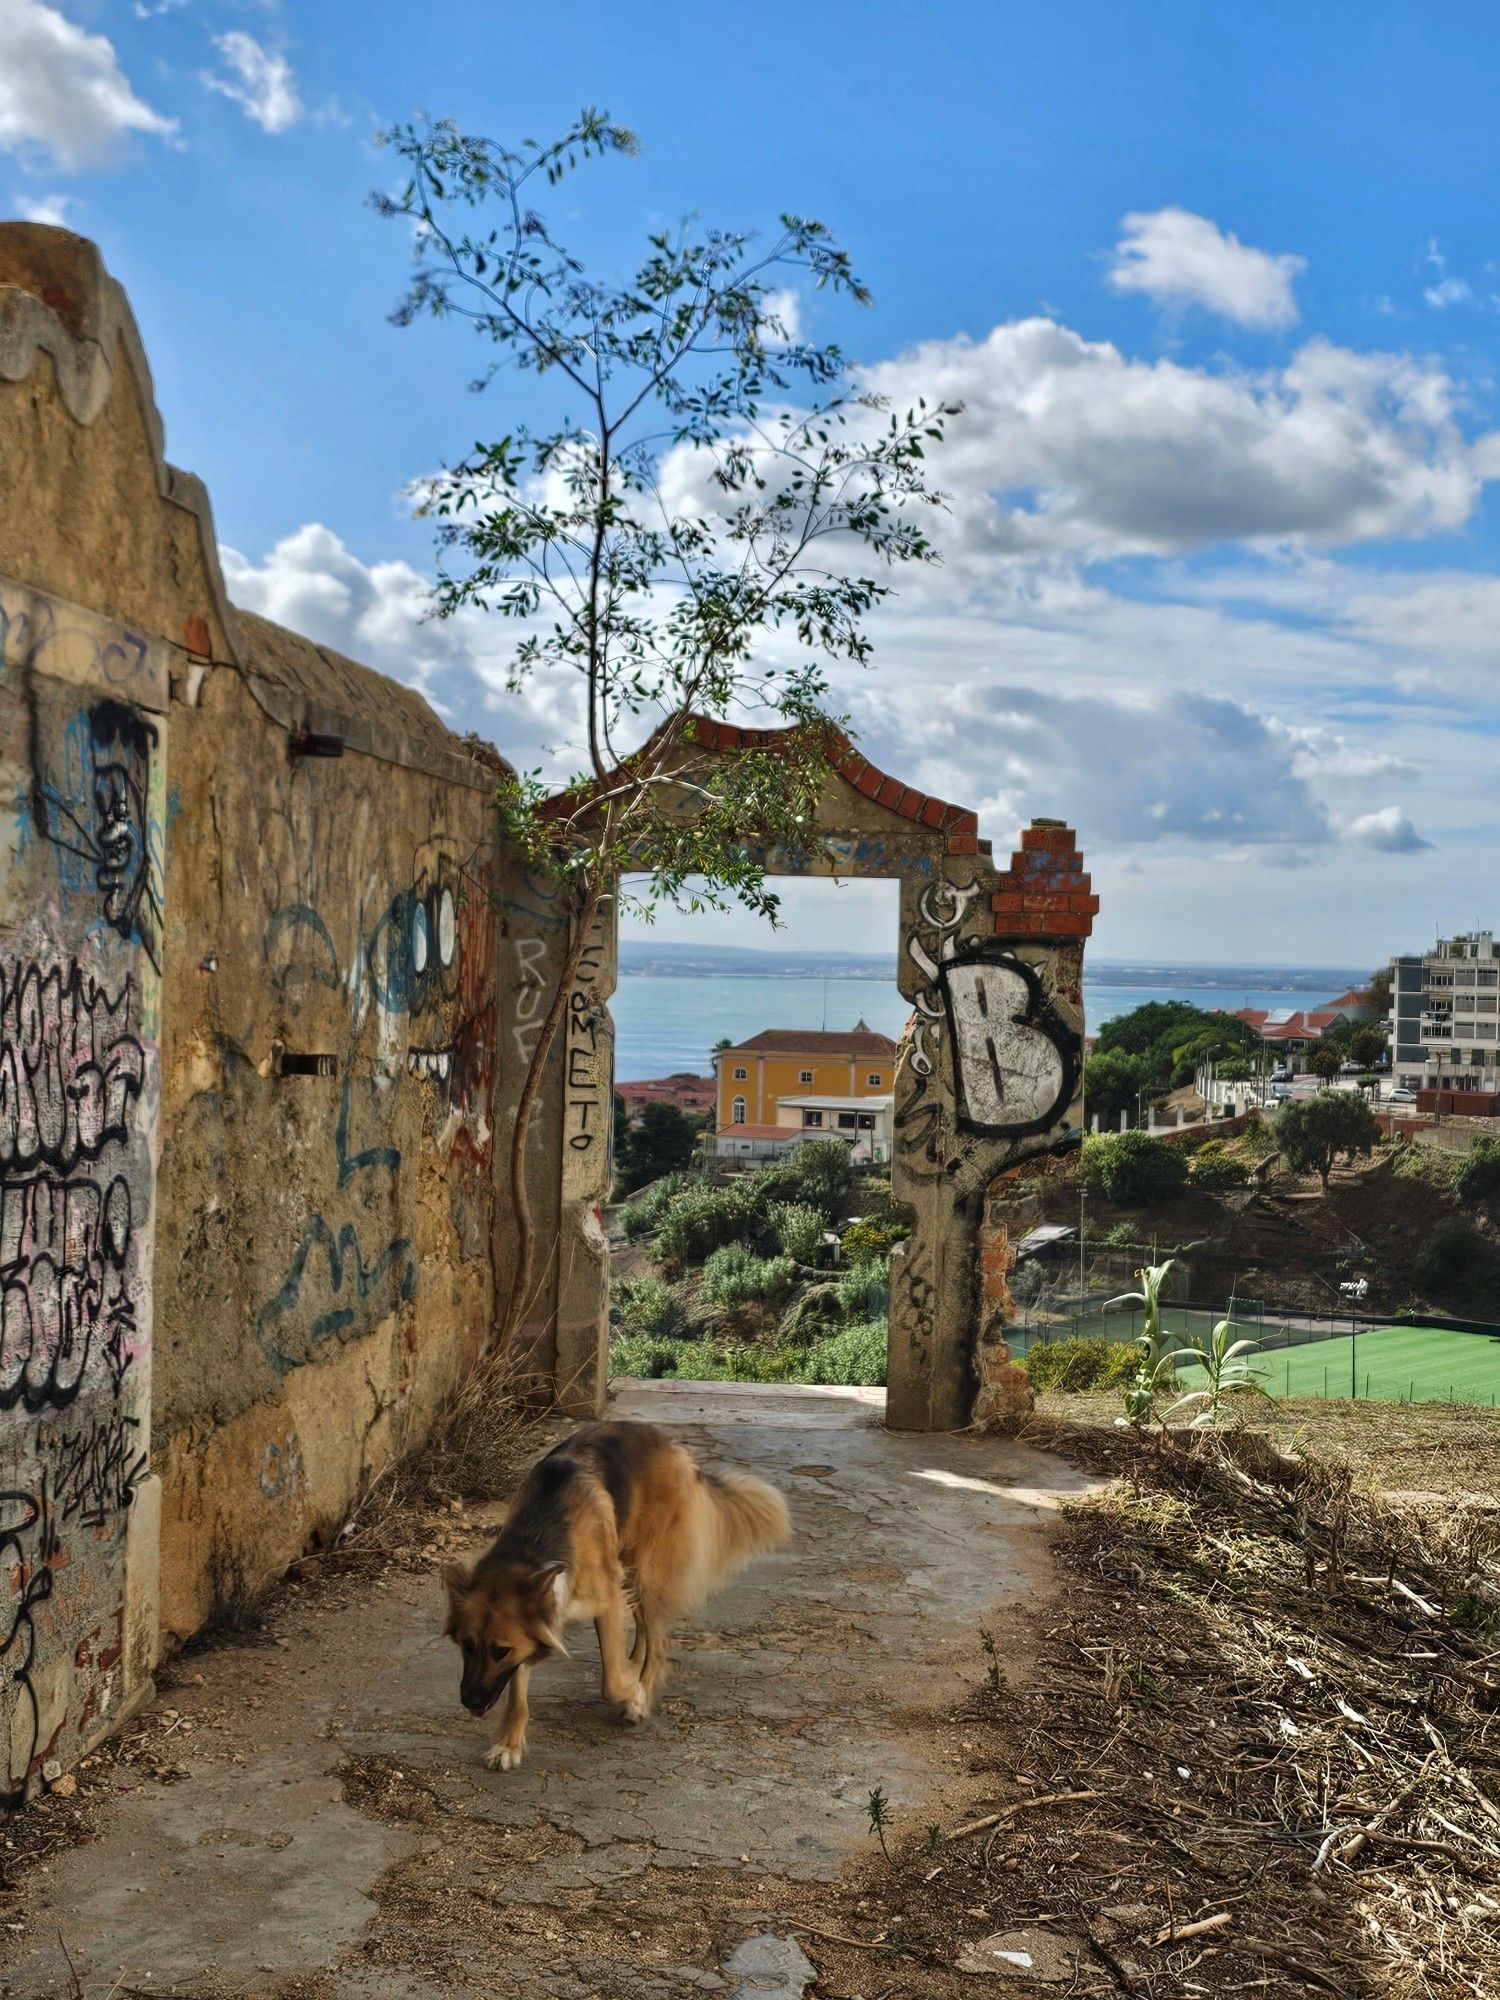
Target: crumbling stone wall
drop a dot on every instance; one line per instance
(255, 1005)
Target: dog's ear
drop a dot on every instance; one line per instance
(457, 1582)
(547, 1592)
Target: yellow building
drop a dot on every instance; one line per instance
(798, 1062)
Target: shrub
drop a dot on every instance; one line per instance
(1478, 1177)
(864, 1290)
(1121, 1237)
(1452, 1253)
(855, 1358)
(1215, 1167)
(1133, 1169)
(650, 1212)
(868, 1238)
(1078, 1362)
(646, 1306)
(701, 1218)
(799, 1229)
(817, 1174)
(734, 1276)
(809, 1317)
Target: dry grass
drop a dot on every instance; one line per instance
(1411, 1448)
(1259, 1753)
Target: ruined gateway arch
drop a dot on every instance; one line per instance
(991, 962)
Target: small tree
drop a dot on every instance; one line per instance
(1324, 1060)
(698, 534)
(1112, 1079)
(1367, 1044)
(1332, 1125)
(662, 1141)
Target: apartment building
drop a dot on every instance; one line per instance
(1445, 1017)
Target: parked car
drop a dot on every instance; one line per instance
(1280, 1093)
(1282, 1075)
(1352, 1069)
(1401, 1095)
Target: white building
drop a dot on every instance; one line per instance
(864, 1124)
(1445, 1015)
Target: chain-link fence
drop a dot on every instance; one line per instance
(1321, 1354)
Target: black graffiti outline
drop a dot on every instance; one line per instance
(116, 843)
(36, 1512)
(1040, 1017)
(71, 1065)
(96, 1468)
(68, 1236)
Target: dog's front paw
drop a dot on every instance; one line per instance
(636, 1709)
(504, 1756)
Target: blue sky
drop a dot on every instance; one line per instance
(1219, 287)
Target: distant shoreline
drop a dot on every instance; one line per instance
(641, 961)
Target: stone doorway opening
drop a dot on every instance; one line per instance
(990, 962)
(788, 1040)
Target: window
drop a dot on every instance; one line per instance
(846, 1121)
(812, 1118)
(804, 1076)
(872, 1081)
(738, 1113)
(740, 1075)
(867, 1121)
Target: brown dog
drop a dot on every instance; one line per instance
(616, 1514)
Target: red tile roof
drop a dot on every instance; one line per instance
(760, 1131)
(815, 1042)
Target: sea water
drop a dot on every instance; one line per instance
(665, 1023)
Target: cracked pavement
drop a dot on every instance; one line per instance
(333, 1835)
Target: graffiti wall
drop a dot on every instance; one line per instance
(82, 790)
(329, 1066)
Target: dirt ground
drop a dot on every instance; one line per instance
(304, 1814)
(1076, 1714)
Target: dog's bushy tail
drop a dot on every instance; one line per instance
(739, 1517)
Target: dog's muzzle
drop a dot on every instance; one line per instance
(479, 1701)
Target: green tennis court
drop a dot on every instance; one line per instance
(1421, 1364)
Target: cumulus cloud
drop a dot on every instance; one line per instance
(63, 94)
(1142, 769)
(374, 612)
(1179, 258)
(51, 208)
(1388, 831)
(1069, 448)
(260, 81)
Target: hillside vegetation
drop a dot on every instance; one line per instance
(733, 1289)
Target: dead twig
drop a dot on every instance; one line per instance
(1021, 1805)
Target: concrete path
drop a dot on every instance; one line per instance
(334, 1836)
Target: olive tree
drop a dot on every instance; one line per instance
(697, 528)
(1315, 1132)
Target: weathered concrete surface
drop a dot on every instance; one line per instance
(335, 1820)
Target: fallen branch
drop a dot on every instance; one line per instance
(1021, 1805)
(1178, 1934)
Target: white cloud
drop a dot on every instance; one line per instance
(51, 208)
(62, 92)
(785, 307)
(1445, 291)
(1178, 258)
(1388, 831)
(260, 81)
(1069, 449)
